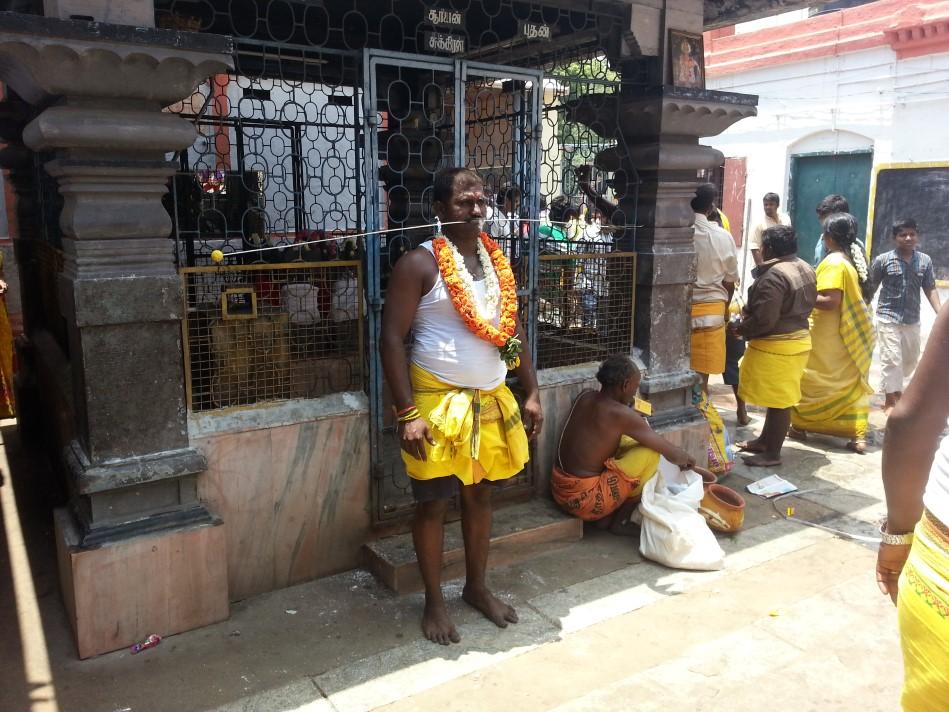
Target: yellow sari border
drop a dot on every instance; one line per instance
(923, 608)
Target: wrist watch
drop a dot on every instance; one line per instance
(895, 539)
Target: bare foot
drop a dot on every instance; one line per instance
(795, 434)
(493, 609)
(437, 625)
(762, 460)
(857, 446)
(743, 417)
(751, 445)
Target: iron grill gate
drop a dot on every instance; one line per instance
(421, 115)
(334, 121)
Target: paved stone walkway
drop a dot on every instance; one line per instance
(793, 622)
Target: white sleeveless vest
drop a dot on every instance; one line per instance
(446, 348)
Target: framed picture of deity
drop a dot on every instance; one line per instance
(687, 54)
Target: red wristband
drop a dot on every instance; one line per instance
(400, 413)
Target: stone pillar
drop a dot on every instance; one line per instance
(98, 92)
(664, 127)
(656, 130)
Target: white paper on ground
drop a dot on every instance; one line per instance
(771, 486)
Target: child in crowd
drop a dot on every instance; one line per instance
(900, 274)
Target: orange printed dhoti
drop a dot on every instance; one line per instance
(598, 496)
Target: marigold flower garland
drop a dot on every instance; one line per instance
(462, 296)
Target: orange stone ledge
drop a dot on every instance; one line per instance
(119, 593)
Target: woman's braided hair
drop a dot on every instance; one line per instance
(842, 229)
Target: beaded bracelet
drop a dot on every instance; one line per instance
(412, 414)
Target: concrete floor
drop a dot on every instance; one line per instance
(794, 622)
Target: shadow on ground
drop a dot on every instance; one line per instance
(330, 637)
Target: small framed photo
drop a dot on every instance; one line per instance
(687, 54)
(239, 303)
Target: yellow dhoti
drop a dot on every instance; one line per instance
(708, 337)
(478, 434)
(923, 607)
(771, 370)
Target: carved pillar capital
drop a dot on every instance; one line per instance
(44, 59)
(111, 171)
(100, 90)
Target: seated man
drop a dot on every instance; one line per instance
(608, 451)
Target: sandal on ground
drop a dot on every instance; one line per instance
(795, 434)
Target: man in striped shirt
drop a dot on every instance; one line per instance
(900, 274)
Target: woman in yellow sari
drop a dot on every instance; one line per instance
(835, 392)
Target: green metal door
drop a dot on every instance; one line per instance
(816, 176)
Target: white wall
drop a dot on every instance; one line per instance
(848, 102)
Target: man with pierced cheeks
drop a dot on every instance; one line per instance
(459, 425)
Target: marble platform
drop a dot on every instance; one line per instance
(294, 495)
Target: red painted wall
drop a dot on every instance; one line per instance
(911, 29)
(733, 196)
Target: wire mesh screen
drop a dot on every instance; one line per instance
(587, 265)
(585, 310)
(580, 136)
(304, 141)
(518, 33)
(414, 136)
(277, 332)
(276, 161)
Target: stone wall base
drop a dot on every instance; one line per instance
(691, 437)
(559, 387)
(292, 482)
(120, 593)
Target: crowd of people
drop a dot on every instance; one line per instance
(808, 339)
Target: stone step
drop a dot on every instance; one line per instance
(519, 532)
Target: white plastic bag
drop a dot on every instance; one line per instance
(673, 532)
